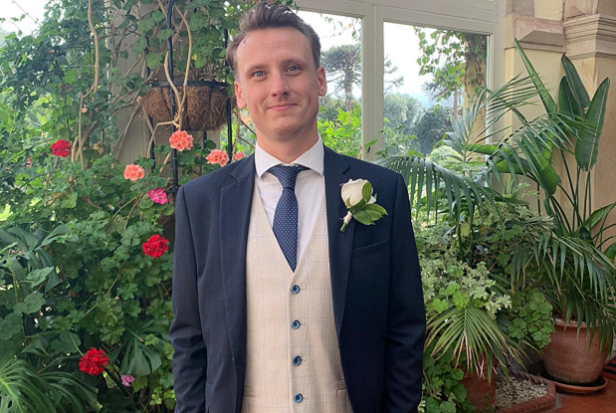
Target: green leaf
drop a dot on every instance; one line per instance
(566, 101)
(31, 304)
(140, 45)
(610, 251)
(165, 34)
(366, 191)
(38, 276)
(587, 145)
(363, 217)
(376, 208)
(10, 325)
(21, 390)
(140, 360)
(575, 84)
(66, 343)
(70, 76)
(153, 60)
(598, 216)
(70, 201)
(544, 94)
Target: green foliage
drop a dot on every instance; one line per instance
(448, 55)
(528, 319)
(73, 272)
(443, 391)
(343, 134)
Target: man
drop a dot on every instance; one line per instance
(276, 309)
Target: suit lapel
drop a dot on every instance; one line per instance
(235, 206)
(340, 243)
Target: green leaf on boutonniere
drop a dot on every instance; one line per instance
(363, 217)
(366, 191)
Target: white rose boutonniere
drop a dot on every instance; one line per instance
(361, 203)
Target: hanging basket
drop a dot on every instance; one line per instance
(205, 107)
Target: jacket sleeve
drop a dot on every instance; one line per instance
(190, 356)
(406, 320)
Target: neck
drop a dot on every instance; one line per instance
(288, 150)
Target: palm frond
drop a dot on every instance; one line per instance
(426, 179)
(471, 332)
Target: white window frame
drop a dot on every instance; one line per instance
(473, 16)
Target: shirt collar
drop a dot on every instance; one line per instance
(312, 158)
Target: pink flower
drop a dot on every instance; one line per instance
(157, 195)
(217, 157)
(127, 379)
(181, 140)
(133, 172)
(239, 155)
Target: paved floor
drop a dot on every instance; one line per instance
(601, 402)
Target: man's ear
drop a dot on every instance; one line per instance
(322, 81)
(241, 102)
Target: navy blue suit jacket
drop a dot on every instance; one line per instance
(376, 287)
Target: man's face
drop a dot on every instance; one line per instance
(277, 81)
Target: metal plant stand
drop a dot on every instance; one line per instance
(172, 100)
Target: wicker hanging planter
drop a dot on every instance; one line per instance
(205, 107)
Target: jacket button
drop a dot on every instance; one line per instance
(295, 324)
(295, 289)
(297, 360)
(298, 398)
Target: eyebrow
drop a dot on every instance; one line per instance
(285, 62)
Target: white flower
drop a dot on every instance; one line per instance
(351, 192)
(358, 197)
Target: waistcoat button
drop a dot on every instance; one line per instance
(297, 360)
(298, 398)
(295, 289)
(295, 324)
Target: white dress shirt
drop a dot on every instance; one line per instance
(309, 188)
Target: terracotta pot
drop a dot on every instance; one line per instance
(480, 393)
(569, 359)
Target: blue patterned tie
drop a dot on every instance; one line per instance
(285, 218)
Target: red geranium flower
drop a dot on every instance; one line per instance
(155, 246)
(93, 362)
(61, 148)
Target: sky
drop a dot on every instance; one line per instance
(398, 38)
(16, 8)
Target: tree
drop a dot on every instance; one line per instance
(432, 127)
(455, 59)
(344, 64)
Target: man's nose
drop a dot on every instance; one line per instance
(280, 84)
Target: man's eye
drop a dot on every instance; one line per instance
(258, 73)
(293, 68)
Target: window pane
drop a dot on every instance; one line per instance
(430, 76)
(340, 115)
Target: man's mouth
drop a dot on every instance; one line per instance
(282, 107)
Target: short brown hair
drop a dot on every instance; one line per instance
(266, 15)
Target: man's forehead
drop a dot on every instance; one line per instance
(259, 41)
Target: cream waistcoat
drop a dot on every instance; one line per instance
(275, 377)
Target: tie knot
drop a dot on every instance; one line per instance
(287, 175)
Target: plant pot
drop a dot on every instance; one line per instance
(480, 392)
(205, 107)
(569, 359)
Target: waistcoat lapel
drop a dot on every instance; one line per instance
(340, 243)
(235, 204)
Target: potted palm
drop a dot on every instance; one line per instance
(573, 262)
